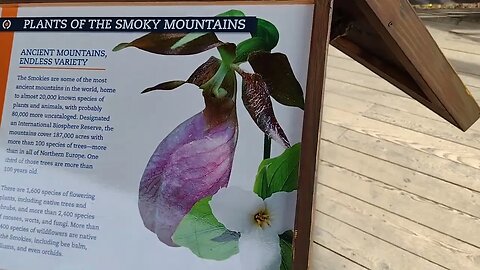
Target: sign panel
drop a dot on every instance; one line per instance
(139, 137)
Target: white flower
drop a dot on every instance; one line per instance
(258, 221)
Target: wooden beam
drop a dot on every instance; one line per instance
(389, 38)
(311, 130)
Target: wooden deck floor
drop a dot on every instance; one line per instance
(398, 187)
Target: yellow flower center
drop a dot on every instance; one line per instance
(262, 219)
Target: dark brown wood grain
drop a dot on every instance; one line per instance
(311, 128)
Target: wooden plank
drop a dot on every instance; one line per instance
(470, 67)
(465, 62)
(363, 80)
(404, 104)
(374, 82)
(439, 129)
(473, 82)
(468, 55)
(325, 259)
(470, 138)
(411, 139)
(331, 132)
(346, 103)
(448, 40)
(439, 168)
(408, 235)
(459, 198)
(443, 219)
(363, 248)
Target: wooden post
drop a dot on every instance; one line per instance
(313, 116)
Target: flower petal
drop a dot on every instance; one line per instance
(260, 251)
(281, 207)
(193, 162)
(235, 208)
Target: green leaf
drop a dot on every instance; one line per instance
(198, 231)
(229, 83)
(279, 173)
(265, 39)
(277, 72)
(223, 83)
(186, 39)
(286, 250)
(227, 236)
(227, 52)
(162, 43)
(268, 32)
(246, 47)
(232, 13)
(192, 36)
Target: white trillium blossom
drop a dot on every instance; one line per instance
(259, 222)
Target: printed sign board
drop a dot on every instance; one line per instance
(158, 135)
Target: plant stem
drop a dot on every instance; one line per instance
(238, 69)
(267, 147)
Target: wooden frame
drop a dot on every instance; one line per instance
(313, 107)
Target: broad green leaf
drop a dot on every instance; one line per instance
(161, 43)
(197, 232)
(251, 45)
(268, 32)
(286, 250)
(277, 72)
(279, 173)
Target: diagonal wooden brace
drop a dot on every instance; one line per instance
(390, 39)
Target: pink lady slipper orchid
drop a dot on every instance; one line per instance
(259, 222)
(194, 161)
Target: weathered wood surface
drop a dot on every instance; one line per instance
(398, 186)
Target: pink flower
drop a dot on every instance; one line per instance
(194, 161)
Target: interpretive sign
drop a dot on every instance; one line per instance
(154, 135)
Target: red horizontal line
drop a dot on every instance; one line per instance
(62, 68)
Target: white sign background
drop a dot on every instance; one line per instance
(141, 122)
